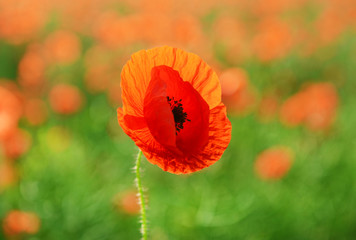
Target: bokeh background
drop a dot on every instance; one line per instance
(287, 69)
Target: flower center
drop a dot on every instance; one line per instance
(180, 117)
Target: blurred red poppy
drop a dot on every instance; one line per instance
(322, 106)
(315, 106)
(16, 143)
(232, 34)
(32, 67)
(7, 174)
(274, 162)
(18, 222)
(36, 111)
(187, 30)
(113, 30)
(10, 112)
(237, 92)
(273, 40)
(172, 109)
(21, 20)
(128, 202)
(63, 47)
(65, 99)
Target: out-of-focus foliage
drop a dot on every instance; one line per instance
(287, 69)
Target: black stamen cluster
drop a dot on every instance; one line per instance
(179, 115)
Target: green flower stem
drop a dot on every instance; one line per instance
(141, 198)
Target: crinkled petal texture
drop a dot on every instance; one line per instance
(172, 109)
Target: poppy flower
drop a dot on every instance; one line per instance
(65, 99)
(16, 143)
(63, 47)
(7, 174)
(232, 34)
(128, 202)
(172, 109)
(18, 222)
(237, 91)
(315, 106)
(32, 66)
(273, 40)
(36, 111)
(22, 21)
(10, 112)
(113, 30)
(274, 163)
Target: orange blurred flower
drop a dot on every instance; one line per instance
(32, 67)
(16, 143)
(18, 222)
(22, 20)
(322, 106)
(236, 90)
(187, 31)
(172, 109)
(114, 31)
(7, 174)
(330, 25)
(274, 163)
(273, 40)
(65, 99)
(293, 110)
(36, 111)
(12, 86)
(15, 91)
(128, 202)
(63, 47)
(78, 15)
(315, 106)
(231, 33)
(155, 29)
(10, 112)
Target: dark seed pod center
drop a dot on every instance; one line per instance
(180, 117)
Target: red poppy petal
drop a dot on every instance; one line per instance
(219, 138)
(194, 133)
(158, 114)
(145, 141)
(135, 123)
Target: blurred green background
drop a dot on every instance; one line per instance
(71, 168)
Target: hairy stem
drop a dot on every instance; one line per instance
(141, 198)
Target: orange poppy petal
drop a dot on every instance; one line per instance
(136, 75)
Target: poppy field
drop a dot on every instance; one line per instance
(76, 77)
